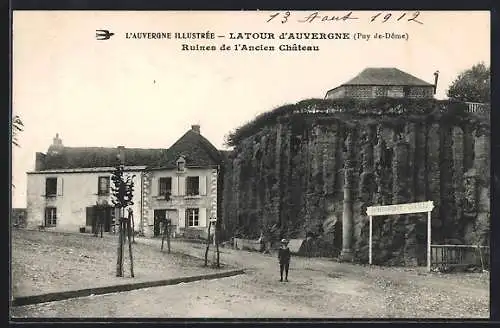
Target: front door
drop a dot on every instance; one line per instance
(159, 216)
(97, 213)
(107, 218)
(89, 222)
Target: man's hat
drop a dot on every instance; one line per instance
(284, 241)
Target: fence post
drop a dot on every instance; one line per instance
(429, 241)
(370, 247)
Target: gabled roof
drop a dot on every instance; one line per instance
(90, 157)
(196, 150)
(386, 76)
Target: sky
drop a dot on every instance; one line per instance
(147, 93)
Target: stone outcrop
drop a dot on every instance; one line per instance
(311, 173)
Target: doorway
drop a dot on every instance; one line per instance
(159, 216)
(96, 213)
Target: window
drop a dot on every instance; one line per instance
(165, 186)
(192, 217)
(192, 186)
(181, 164)
(50, 216)
(103, 188)
(51, 187)
(381, 91)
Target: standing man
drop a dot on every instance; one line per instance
(284, 259)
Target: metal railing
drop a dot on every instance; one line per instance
(474, 107)
(459, 255)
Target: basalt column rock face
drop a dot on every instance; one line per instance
(310, 174)
(433, 169)
(480, 174)
(367, 189)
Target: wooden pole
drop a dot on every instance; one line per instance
(129, 228)
(94, 222)
(216, 236)
(208, 243)
(429, 241)
(133, 226)
(370, 242)
(481, 256)
(102, 224)
(119, 272)
(122, 250)
(164, 234)
(168, 236)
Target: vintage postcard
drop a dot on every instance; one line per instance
(250, 164)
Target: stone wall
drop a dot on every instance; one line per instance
(315, 175)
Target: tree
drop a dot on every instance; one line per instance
(123, 194)
(472, 85)
(17, 126)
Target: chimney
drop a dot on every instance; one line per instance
(121, 154)
(436, 76)
(195, 128)
(39, 161)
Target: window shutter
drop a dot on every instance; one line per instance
(108, 185)
(182, 186)
(154, 186)
(202, 219)
(203, 185)
(89, 215)
(175, 186)
(182, 217)
(59, 186)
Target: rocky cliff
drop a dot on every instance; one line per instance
(312, 169)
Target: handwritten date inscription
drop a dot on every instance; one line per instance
(286, 16)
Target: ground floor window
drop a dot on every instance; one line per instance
(50, 216)
(192, 217)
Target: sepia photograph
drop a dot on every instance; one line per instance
(250, 164)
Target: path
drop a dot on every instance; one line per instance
(317, 288)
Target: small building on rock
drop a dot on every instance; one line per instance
(383, 82)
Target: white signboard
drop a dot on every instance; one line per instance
(407, 208)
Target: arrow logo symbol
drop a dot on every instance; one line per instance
(103, 34)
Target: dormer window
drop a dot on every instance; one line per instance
(181, 164)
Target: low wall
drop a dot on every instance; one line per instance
(247, 244)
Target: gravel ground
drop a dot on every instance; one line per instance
(44, 262)
(317, 288)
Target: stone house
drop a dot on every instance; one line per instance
(383, 82)
(18, 217)
(69, 182)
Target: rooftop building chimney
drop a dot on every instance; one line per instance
(121, 154)
(436, 76)
(195, 128)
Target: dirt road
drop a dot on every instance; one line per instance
(317, 288)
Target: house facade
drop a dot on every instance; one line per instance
(383, 82)
(71, 186)
(18, 217)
